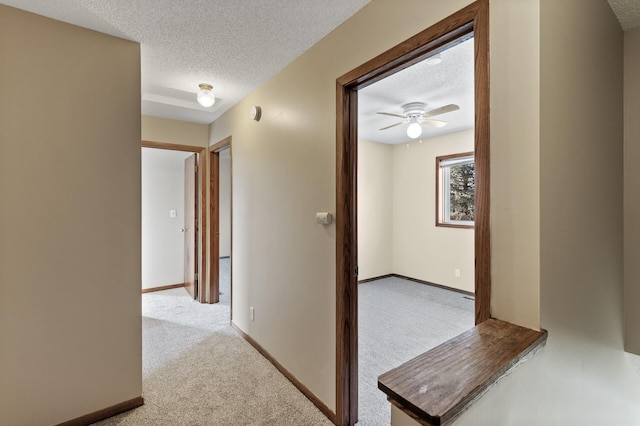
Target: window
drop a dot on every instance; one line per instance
(455, 191)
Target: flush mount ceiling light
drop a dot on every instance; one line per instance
(206, 98)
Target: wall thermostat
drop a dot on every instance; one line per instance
(323, 218)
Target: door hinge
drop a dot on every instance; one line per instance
(195, 277)
(196, 222)
(356, 271)
(196, 169)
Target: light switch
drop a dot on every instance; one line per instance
(173, 213)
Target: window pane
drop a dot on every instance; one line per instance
(455, 195)
(461, 192)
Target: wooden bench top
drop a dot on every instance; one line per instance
(436, 387)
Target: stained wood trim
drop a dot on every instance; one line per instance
(214, 223)
(105, 413)
(381, 277)
(297, 383)
(162, 287)
(203, 281)
(439, 208)
(444, 34)
(437, 386)
(415, 280)
(172, 146)
(214, 217)
(346, 257)
(429, 283)
(482, 164)
(202, 216)
(221, 145)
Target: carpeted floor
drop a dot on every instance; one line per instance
(198, 371)
(398, 320)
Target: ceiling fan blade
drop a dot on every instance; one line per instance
(434, 123)
(393, 125)
(442, 110)
(392, 115)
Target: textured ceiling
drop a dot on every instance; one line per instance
(449, 82)
(235, 45)
(628, 12)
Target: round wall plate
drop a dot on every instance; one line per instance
(255, 112)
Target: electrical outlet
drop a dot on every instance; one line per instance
(457, 273)
(252, 313)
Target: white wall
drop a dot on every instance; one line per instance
(396, 214)
(631, 189)
(70, 333)
(162, 236)
(375, 209)
(421, 249)
(225, 204)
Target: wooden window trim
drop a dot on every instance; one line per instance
(473, 18)
(439, 207)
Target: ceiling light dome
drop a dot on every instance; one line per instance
(206, 98)
(414, 130)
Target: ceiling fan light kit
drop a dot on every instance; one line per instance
(205, 96)
(414, 130)
(415, 114)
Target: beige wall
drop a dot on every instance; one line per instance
(515, 163)
(421, 249)
(284, 172)
(631, 189)
(375, 209)
(70, 333)
(582, 376)
(156, 129)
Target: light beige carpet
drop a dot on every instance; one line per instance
(198, 371)
(397, 321)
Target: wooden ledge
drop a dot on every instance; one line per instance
(436, 387)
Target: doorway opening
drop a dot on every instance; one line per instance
(415, 245)
(176, 210)
(470, 21)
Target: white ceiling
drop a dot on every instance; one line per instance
(628, 13)
(235, 45)
(449, 82)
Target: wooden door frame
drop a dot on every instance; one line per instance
(214, 218)
(201, 251)
(473, 18)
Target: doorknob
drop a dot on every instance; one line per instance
(182, 230)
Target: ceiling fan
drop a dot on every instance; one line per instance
(415, 114)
